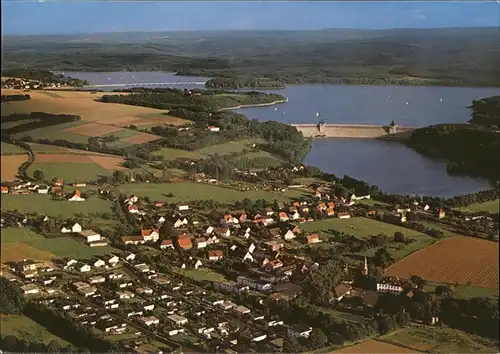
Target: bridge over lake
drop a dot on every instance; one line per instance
(148, 84)
(360, 131)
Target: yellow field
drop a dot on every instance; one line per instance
(85, 105)
(17, 251)
(9, 166)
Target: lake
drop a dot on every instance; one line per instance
(391, 166)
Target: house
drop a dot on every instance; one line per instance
(43, 189)
(112, 260)
(90, 236)
(97, 279)
(183, 207)
(330, 211)
(159, 204)
(198, 264)
(289, 235)
(132, 240)
(132, 209)
(313, 238)
(242, 217)
(76, 197)
(212, 240)
(5, 189)
(274, 233)
(200, 242)
(161, 220)
(441, 213)
(213, 128)
(228, 219)
(167, 244)
(150, 235)
(177, 320)
(209, 230)
(266, 220)
(149, 321)
(394, 218)
(344, 215)
(283, 216)
(82, 268)
(215, 255)
(98, 263)
(391, 285)
(223, 232)
(59, 182)
(30, 289)
(129, 256)
(340, 291)
(274, 245)
(294, 215)
(56, 190)
(65, 230)
(298, 331)
(184, 242)
(69, 263)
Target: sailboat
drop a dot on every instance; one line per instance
(441, 99)
(317, 114)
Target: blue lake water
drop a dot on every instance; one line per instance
(391, 166)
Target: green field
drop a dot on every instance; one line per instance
(200, 274)
(10, 149)
(24, 328)
(69, 171)
(491, 207)
(44, 205)
(61, 246)
(55, 132)
(198, 191)
(441, 340)
(229, 147)
(363, 228)
(48, 149)
(466, 291)
(172, 154)
(12, 124)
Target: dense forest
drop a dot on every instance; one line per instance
(197, 101)
(244, 82)
(473, 149)
(447, 56)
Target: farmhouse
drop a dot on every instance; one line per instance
(184, 243)
(167, 244)
(150, 235)
(313, 238)
(76, 197)
(90, 236)
(5, 189)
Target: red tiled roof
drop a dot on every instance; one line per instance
(215, 253)
(185, 242)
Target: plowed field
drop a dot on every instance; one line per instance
(462, 260)
(10, 164)
(93, 129)
(107, 162)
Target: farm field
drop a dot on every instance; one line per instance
(373, 346)
(87, 106)
(200, 274)
(93, 129)
(363, 228)
(440, 340)
(11, 149)
(466, 291)
(172, 154)
(229, 147)
(197, 191)
(55, 132)
(24, 328)
(60, 247)
(9, 166)
(44, 205)
(16, 251)
(462, 260)
(491, 207)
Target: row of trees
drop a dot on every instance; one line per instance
(12, 98)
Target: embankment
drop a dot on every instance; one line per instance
(254, 105)
(358, 131)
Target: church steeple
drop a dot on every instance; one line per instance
(364, 271)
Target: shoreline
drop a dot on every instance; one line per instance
(253, 105)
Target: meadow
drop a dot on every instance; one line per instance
(440, 340)
(69, 171)
(490, 207)
(229, 147)
(24, 328)
(187, 191)
(60, 247)
(44, 205)
(172, 154)
(363, 228)
(9, 166)
(10, 149)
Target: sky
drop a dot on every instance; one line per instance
(71, 17)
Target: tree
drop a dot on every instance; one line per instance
(38, 175)
(11, 301)
(317, 338)
(399, 237)
(119, 176)
(292, 345)
(382, 258)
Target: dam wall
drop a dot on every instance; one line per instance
(358, 131)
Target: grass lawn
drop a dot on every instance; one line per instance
(462, 291)
(491, 207)
(363, 228)
(172, 154)
(440, 340)
(43, 204)
(200, 274)
(61, 246)
(56, 132)
(69, 171)
(25, 328)
(11, 149)
(229, 147)
(198, 191)
(307, 181)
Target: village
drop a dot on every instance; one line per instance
(149, 295)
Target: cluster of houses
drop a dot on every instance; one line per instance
(28, 187)
(27, 84)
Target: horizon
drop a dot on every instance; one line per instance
(87, 18)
